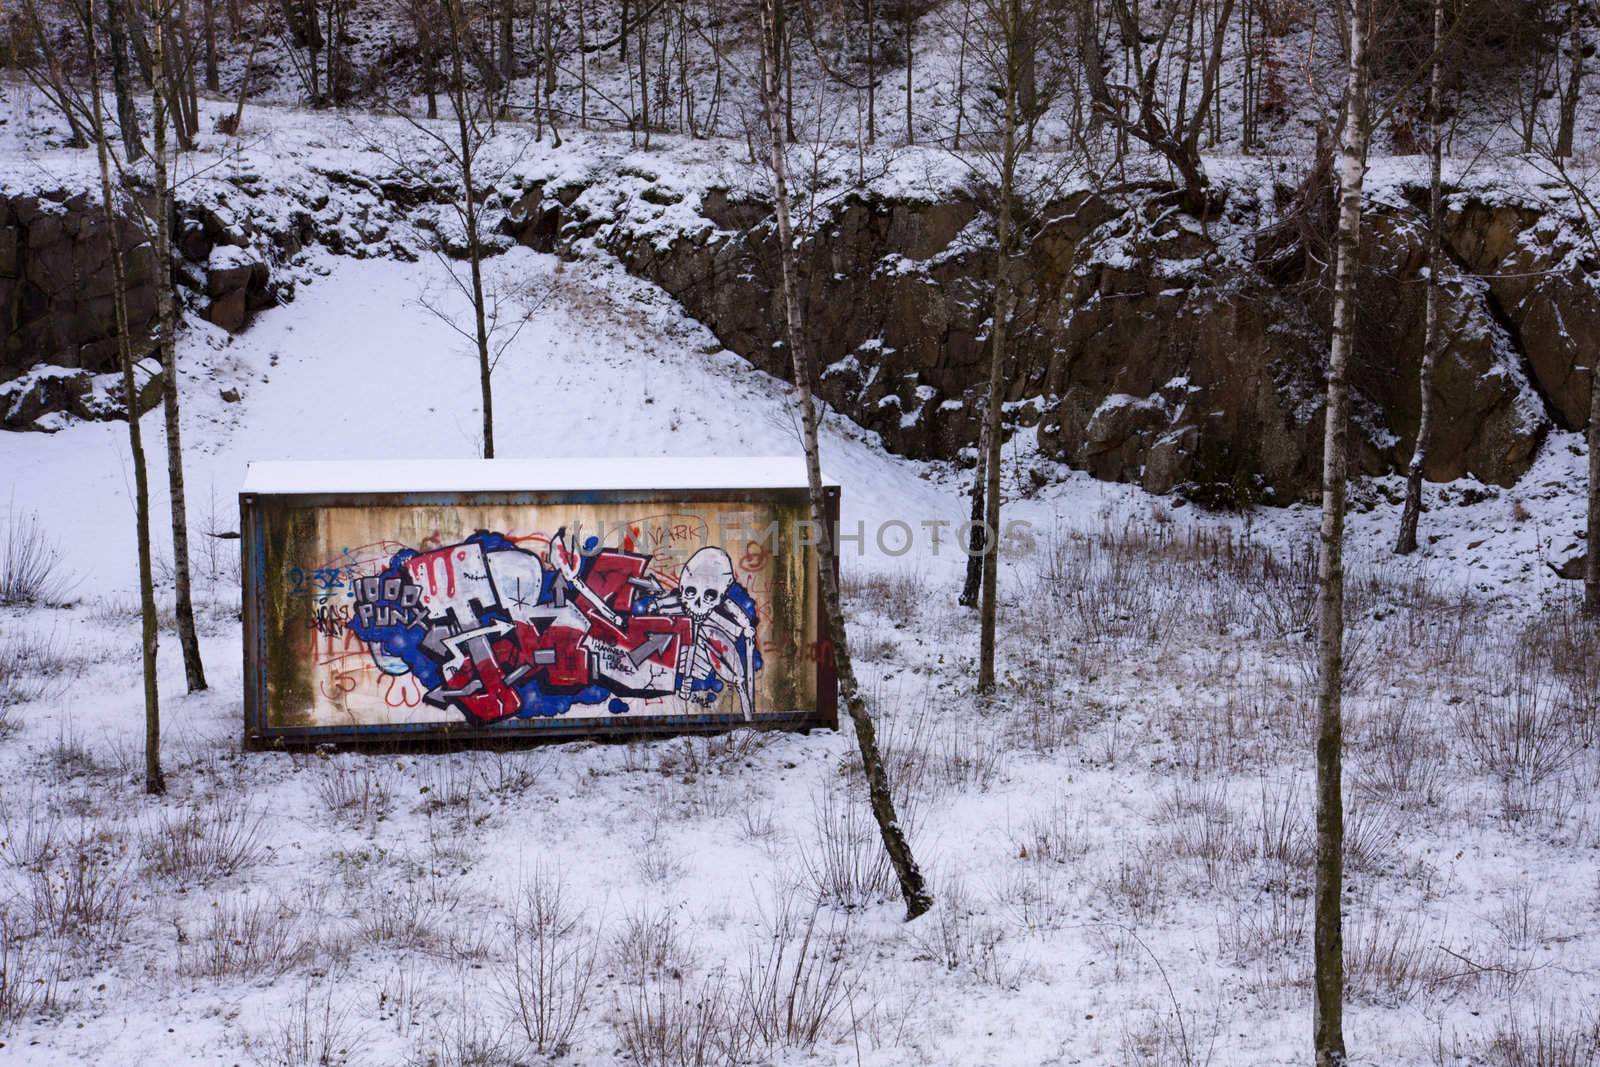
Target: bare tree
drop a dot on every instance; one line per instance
(912, 887)
(1140, 106)
(496, 316)
(1328, 926)
(1583, 187)
(154, 780)
(1009, 41)
(972, 587)
(49, 74)
(208, 17)
(160, 14)
(1406, 543)
(427, 48)
(127, 113)
(908, 18)
(1572, 90)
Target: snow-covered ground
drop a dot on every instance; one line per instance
(1119, 843)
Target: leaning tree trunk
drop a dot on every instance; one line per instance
(188, 639)
(154, 781)
(912, 888)
(1406, 543)
(1328, 934)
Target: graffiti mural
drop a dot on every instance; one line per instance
(506, 616)
(492, 630)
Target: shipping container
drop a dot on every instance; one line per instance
(490, 599)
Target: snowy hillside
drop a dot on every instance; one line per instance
(1120, 840)
(1119, 847)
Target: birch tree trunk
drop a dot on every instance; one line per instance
(154, 780)
(1011, 15)
(1591, 563)
(1328, 934)
(973, 585)
(881, 796)
(166, 310)
(1406, 543)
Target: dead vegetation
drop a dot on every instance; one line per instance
(1146, 763)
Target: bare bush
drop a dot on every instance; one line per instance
(1036, 896)
(449, 788)
(1135, 883)
(248, 937)
(798, 978)
(970, 752)
(511, 773)
(466, 1037)
(1282, 826)
(1390, 958)
(846, 863)
(1059, 835)
(32, 667)
(215, 838)
(675, 1021)
(551, 972)
(884, 592)
(28, 833)
(958, 938)
(1371, 832)
(1399, 759)
(355, 790)
(1524, 735)
(1201, 826)
(403, 915)
(70, 754)
(30, 563)
(30, 972)
(655, 859)
(649, 945)
(403, 998)
(1273, 927)
(1104, 586)
(82, 892)
(1040, 721)
(312, 1033)
(1550, 1038)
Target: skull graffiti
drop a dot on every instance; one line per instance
(704, 581)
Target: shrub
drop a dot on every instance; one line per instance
(30, 563)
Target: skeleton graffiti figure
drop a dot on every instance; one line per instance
(723, 631)
(492, 629)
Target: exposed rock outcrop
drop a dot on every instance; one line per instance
(56, 284)
(1147, 348)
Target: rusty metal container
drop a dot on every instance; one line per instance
(489, 599)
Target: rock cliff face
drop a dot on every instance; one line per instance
(58, 344)
(1147, 347)
(57, 318)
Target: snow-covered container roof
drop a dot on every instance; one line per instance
(646, 473)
